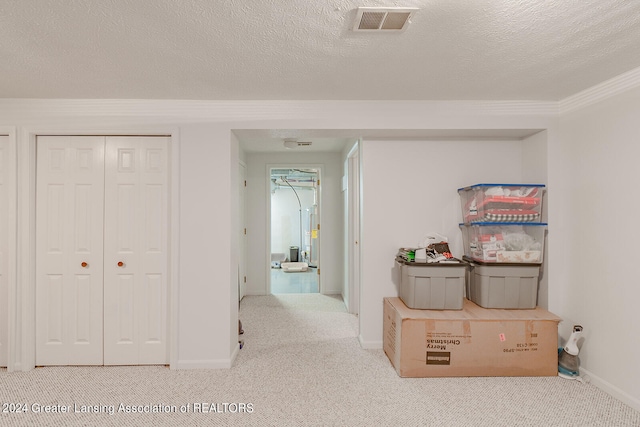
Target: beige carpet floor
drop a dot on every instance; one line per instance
(301, 366)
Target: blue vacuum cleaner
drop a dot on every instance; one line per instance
(568, 363)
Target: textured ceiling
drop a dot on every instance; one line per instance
(305, 50)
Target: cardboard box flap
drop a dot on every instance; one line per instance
(472, 311)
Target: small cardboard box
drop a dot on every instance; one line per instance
(472, 342)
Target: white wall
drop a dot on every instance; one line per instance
(236, 157)
(591, 168)
(201, 322)
(331, 209)
(410, 189)
(534, 170)
(593, 171)
(590, 164)
(204, 193)
(206, 299)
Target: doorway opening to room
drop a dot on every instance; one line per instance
(294, 230)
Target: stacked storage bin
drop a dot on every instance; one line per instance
(503, 240)
(437, 286)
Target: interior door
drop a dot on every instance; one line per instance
(69, 250)
(4, 247)
(242, 250)
(136, 227)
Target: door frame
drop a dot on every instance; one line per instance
(354, 210)
(11, 256)
(300, 165)
(22, 356)
(242, 246)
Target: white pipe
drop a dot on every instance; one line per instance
(299, 215)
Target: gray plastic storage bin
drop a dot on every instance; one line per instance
(513, 286)
(438, 286)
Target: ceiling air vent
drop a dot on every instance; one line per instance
(383, 18)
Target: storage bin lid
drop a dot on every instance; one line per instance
(432, 264)
(494, 224)
(471, 262)
(499, 185)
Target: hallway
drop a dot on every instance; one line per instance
(294, 283)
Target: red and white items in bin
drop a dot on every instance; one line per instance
(504, 242)
(501, 203)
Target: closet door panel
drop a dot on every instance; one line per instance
(82, 308)
(52, 290)
(4, 247)
(124, 290)
(153, 323)
(69, 250)
(136, 200)
(154, 243)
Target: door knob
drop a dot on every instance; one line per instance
(120, 264)
(84, 264)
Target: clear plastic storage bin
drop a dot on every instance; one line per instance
(504, 242)
(501, 203)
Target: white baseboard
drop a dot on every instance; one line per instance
(234, 355)
(255, 293)
(610, 389)
(209, 364)
(204, 364)
(369, 345)
(16, 367)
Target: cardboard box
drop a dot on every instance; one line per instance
(472, 342)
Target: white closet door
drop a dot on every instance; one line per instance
(4, 247)
(69, 250)
(135, 294)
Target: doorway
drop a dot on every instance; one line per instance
(294, 230)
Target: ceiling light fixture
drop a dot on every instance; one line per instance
(292, 143)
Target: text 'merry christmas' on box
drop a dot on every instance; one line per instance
(471, 342)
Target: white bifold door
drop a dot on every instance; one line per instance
(4, 247)
(101, 250)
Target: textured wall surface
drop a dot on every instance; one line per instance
(291, 49)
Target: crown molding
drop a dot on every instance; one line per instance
(187, 111)
(601, 91)
(243, 110)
